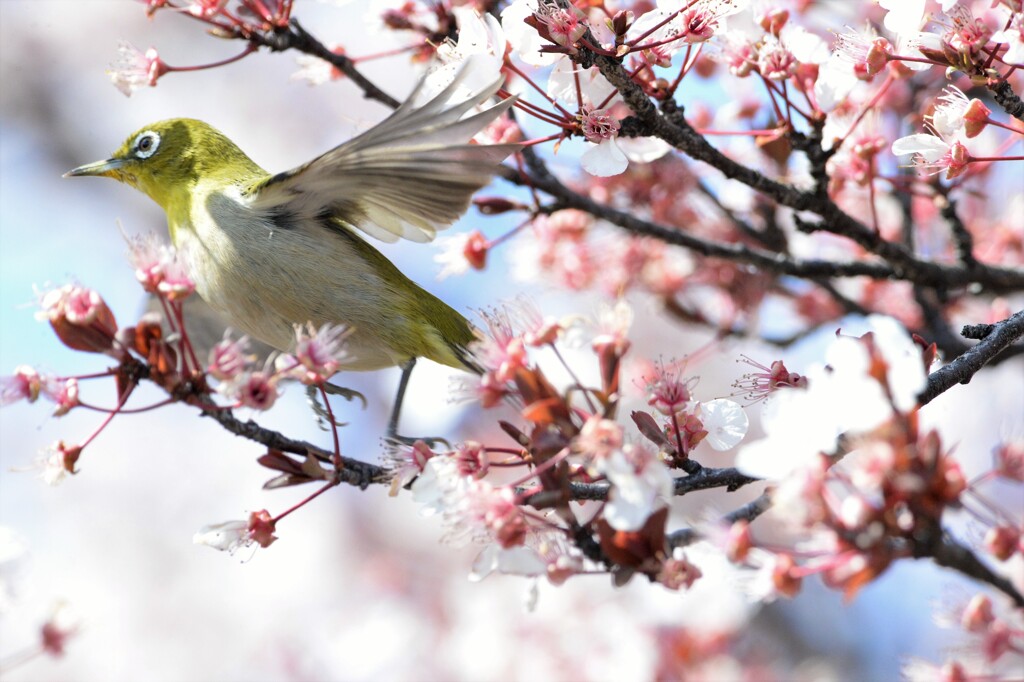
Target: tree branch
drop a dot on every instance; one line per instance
(962, 369)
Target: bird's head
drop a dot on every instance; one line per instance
(167, 159)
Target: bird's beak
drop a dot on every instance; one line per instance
(106, 168)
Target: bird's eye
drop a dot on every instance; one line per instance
(146, 144)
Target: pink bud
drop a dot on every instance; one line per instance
(975, 117)
(978, 614)
(261, 528)
(475, 250)
(1002, 541)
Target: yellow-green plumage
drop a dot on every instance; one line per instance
(272, 251)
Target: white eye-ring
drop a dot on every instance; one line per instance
(146, 144)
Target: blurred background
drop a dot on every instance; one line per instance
(359, 586)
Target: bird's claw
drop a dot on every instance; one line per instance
(324, 418)
(348, 394)
(431, 441)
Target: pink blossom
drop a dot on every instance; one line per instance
(57, 461)
(25, 384)
(133, 68)
(472, 510)
(1002, 541)
(865, 51)
(160, 268)
(230, 536)
(934, 154)
(501, 351)
(598, 124)
(641, 484)
(677, 572)
(500, 515)
(977, 615)
(565, 26)
(229, 357)
(322, 352)
(58, 629)
(966, 34)
(485, 389)
(81, 306)
(667, 391)
(64, 394)
(599, 438)
(700, 22)
(81, 319)
(205, 9)
(1013, 38)
(775, 61)
(255, 389)
(461, 252)
(1010, 460)
(406, 462)
(613, 323)
(955, 112)
(317, 71)
(759, 385)
(472, 460)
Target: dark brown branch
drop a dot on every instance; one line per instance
(747, 512)
(353, 471)
(962, 238)
(1005, 97)
(681, 135)
(929, 273)
(949, 553)
(297, 38)
(706, 478)
(671, 126)
(962, 369)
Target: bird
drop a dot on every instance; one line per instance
(272, 251)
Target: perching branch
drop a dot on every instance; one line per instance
(962, 369)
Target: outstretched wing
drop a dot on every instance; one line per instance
(407, 177)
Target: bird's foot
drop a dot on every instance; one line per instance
(348, 394)
(431, 441)
(324, 419)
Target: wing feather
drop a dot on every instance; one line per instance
(407, 177)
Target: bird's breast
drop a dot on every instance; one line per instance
(265, 274)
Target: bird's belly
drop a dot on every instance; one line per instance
(266, 289)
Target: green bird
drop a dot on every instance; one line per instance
(269, 252)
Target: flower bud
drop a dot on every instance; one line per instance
(773, 20)
(475, 250)
(975, 117)
(784, 576)
(81, 320)
(1001, 541)
(496, 205)
(978, 614)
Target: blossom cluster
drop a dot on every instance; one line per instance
(571, 437)
(158, 348)
(739, 162)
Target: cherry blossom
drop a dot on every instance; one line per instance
(134, 68)
(479, 51)
(933, 154)
(801, 424)
(1013, 38)
(25, 384)
(640, 484)
(458, 253)
(229, 357)
(321, 352)
(725, 421)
